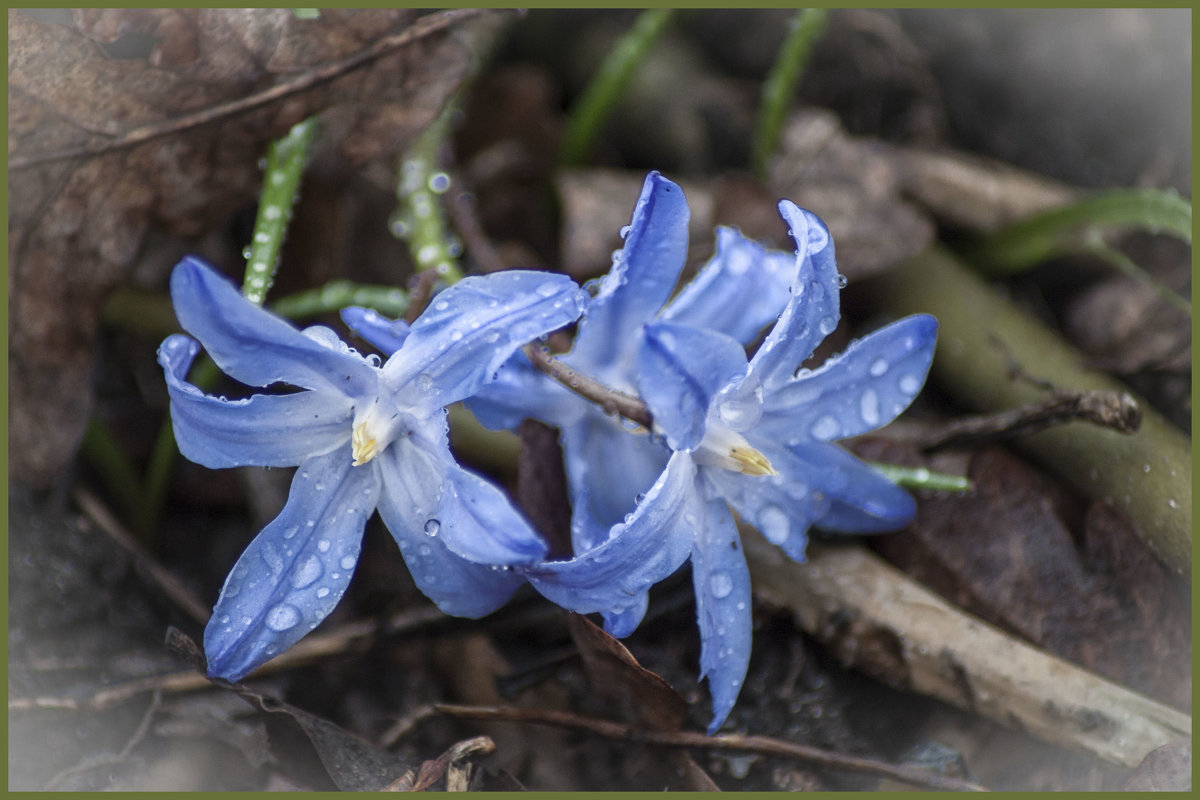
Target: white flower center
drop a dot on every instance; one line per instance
(374, 429)
(728, 449)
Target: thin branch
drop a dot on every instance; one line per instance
(424, 26)
(587, 387)
(761, 745)
(146, 563)
(105, 759)
(1114, 410)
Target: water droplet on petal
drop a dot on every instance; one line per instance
(323, 546)
(308, 572)
(424, 382)
(283, 617)
(910, 384)
(432, 526)
(827, 325)
(878, 367)
(625, 230)
(842, 280)
(720, 585)
(825, 428)
(273, 559)
(348, 561)
(773, 523)
(547, 290)
(869, 406)
(323, 591)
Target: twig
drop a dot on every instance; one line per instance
(1115, 410)
(762, 745)
(587, 387)
(424, 26)
(146, 563)
(312, 648)
(449, 764)
(875, 618)
(1147, 477)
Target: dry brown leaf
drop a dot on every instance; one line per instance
(102, 151)
(1005, 552)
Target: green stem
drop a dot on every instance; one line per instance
(1147, 475)
(1123, 264)
(113, 466)
(286, 158)
(921, 478)
(587, 116)
(419, 218)
(336, 295)
(780, 87)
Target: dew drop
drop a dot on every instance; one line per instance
(283, 617)
(869, 406)
(290, 531)
(273, 559)
(307, 573)
(625, 230)
(827, 325)
(348, 561)
(878, 367)
(773, 523)
(825, 428)
(323, 546)
(439, 182)
(720, 585)
(323, 591)
(842, 280)
(547, 290)
(432, 526)
(910, 384)
(424, 382)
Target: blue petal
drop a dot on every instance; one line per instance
(478, 522)
(860, 499)
(521, 391)
(608, 467)
(813, 312)
(385, 335)
(740, 291)
(412, 479)
(263, 430)
(722, 582)
(864, 388)
(680, 370)
(642, 277)
(781, 507)
(296, 570)
(470, 329)
(255, 346)
(613, 577)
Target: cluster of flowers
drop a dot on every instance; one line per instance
(753, 435)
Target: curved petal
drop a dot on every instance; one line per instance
(742, 289)
(812, 313)
(521, 391)
(412, 478)
(608, 468)
(296, 570)
(862, 389)
(613, 577)
(470, 329)
(255, 346)
(722, 583)
(385, 335)
(860, 499)
(479, 523)
(680, 370)
(781, 507)
(261, 430)
(642, 277)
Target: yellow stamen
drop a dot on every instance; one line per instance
(363, 445)
(751, 462)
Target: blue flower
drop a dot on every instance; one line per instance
(363, 436)
(757, 436)
(738, 292)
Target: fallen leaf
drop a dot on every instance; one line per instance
(104, 151)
